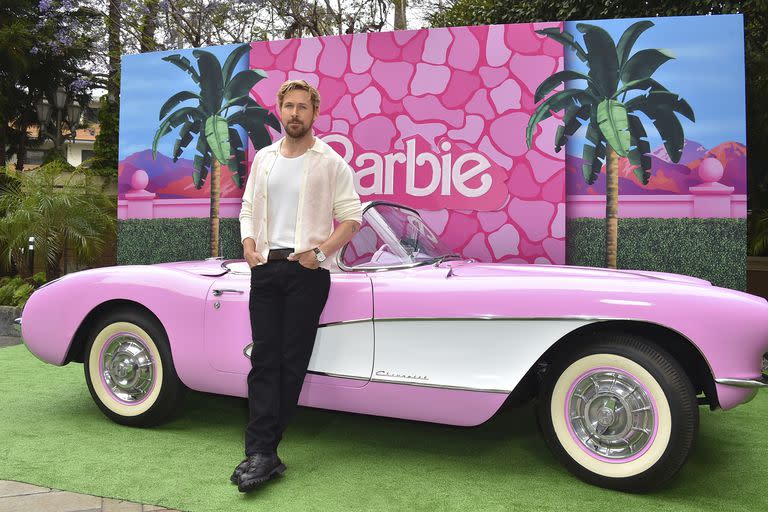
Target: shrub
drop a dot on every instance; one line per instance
(63, 210)
(15, 291)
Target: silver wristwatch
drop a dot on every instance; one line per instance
(320, 255)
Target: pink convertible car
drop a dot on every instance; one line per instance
(618, 361)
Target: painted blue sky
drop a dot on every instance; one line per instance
(708, 72)
(147, 82)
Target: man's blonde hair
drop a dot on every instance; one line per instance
(298, 85)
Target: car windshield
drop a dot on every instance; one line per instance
(391, 236)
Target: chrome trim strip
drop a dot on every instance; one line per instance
(338, 375)
(17, 325)
(745, 383)
(345, 268)
(384, 381)
(441, 386)
(344, 322)
(389, 203)
(498, 317)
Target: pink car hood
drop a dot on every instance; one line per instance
(211, 268)
(464, 269)
(214, 268)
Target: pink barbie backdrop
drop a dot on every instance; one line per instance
(487, 131)
(434, 119)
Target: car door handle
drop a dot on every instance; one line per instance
(219, 293)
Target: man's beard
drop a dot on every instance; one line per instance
(296, 131)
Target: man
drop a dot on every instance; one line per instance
(295, 189)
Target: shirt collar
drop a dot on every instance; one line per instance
(319, 146)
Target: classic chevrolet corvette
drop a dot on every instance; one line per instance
(618, 361)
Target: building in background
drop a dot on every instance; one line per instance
(76, 151)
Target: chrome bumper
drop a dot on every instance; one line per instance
(762, 382)
(17, 325)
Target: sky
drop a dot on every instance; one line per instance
(708, 72)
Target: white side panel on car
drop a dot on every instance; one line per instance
(344, 350)
(476, 354)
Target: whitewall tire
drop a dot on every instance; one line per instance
(619, 412)
(129, 369)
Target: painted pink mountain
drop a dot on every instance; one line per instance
(692, 150)
(666, 176)
(170, 180)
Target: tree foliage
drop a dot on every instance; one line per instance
(156, 25)
(61, 209)
(43, 45)
(105, 149)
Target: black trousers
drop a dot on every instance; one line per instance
(285, 305)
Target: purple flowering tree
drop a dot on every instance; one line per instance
(46, 44)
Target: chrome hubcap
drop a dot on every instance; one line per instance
(127, 368)
(611, 414)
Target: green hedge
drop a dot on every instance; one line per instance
(147, 241)
(712, 249)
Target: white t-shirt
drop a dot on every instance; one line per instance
(283, 204)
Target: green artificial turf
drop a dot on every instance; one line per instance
(52, 434)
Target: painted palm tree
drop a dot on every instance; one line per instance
(223, 104)
(613, 127)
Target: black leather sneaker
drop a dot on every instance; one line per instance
(258, 469)
(238, 471)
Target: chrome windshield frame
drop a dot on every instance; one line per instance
(346, 268)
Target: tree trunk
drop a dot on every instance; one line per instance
(65, 261)
(401, 22)
(148, 26)
(215, 199)
(21, 154)
(52, 271)
(611, 208)
(3, 131)
(113, 43)
(52, 267)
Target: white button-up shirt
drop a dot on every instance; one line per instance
(327, 191)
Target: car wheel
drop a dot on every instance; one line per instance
(619, 413)
(129, 369)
